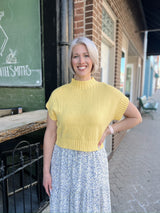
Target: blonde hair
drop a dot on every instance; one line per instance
(92, 50)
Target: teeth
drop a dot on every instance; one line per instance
(81, 68)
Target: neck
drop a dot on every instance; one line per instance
(86, 84)
(81, 78)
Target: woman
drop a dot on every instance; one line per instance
(75, 168)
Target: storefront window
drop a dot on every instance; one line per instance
(122, 72)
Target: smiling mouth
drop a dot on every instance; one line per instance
(81, 68)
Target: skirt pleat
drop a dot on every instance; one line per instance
(80, 182)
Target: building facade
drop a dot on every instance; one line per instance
(115, 28)
(113, 25)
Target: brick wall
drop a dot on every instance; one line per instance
(88, 22)
(129, 21)
(79, 18)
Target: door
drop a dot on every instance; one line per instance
(105, 68)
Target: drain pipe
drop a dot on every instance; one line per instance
(70, 29)
(144, 59)
(64, 42)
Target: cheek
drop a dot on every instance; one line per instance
(73, 62)
(90, 63)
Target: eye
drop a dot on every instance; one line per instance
(75, 56)
(86, 55)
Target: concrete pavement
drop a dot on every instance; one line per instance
(135, 168)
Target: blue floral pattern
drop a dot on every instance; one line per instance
(80, 182)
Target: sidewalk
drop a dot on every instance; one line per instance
(135, 168)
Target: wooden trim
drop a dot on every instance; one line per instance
(17, 125)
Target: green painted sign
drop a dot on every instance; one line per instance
(20, 43)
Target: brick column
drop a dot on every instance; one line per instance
(79, 18)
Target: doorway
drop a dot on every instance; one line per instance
(129, 81)
(107, 77)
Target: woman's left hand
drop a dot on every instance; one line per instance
(105, 134)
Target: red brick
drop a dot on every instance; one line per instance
(89, 19)
(78, 5)
(89, 2)
(79, 30)
(89, 14)
(78, 18)
(89, 26)
(80, 24)
(79, 11)
(89, 7)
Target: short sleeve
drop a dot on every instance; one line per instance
(51, 106)
(121, 106)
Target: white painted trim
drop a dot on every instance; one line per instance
(108, 40)
(106, 6)
(132, 72)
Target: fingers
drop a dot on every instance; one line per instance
(99, 144)
(101, 141)
(106, 133)
(47, 183)
(48, 189)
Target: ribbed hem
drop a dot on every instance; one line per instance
(83, 84)
(85, 146)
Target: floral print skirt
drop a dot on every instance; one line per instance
(80, 182)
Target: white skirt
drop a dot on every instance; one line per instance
(80, 182)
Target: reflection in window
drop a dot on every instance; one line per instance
(128, 82)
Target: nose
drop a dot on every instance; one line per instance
(81, 59)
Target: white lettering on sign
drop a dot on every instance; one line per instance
(15, 71)
(11, 57)
(3, 36)
(1, 14)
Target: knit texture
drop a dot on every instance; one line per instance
(83, 110)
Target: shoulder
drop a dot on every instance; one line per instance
(109, 89)
(59, 91)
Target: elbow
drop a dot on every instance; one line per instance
(139, 119)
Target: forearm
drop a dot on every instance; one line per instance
(126, 123)
(49, 143)
(132, 118)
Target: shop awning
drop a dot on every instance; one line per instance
(151, 14)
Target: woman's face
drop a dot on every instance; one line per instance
(81, 62)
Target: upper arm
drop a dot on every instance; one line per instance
(132, 112)
(51, 129)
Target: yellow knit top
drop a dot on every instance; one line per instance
(83, 110)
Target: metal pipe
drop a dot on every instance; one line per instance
(58, 39)
(149, 30)
(144, 59)
(64, 38)
(70, 28)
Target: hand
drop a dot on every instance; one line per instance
(47, 183)
(105, 134)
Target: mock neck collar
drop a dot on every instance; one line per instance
(83, 84)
